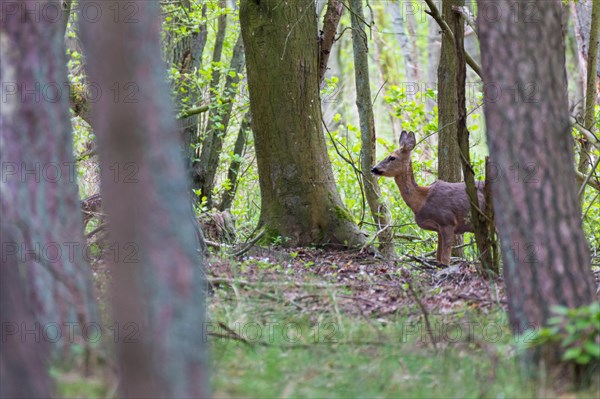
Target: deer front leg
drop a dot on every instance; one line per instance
(445, 239)
(440, 247)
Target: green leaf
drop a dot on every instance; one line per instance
(593, 348)
(572, 353)
(583, 359)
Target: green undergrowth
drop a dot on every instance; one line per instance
(294, 355)
(262, 347)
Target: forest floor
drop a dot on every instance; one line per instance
(360, 283)
(314, 323)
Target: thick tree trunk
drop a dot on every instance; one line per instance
(379, 211)
(158, 282)
(218, 124)
(40, 199)
(545, 254)
(300, 200)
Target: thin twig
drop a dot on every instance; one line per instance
(423, 311)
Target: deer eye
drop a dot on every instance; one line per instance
(392, 158)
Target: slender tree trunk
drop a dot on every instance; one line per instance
(40, 199)
(331, 20)
(199, 173)
(379, 211)
(578, 100)
(158, 283)
(449, 163)
(545, 254)
(582, 11)
(585, 158)
(213, 143)
(397, 13)
(433, 61)
(66, 13)
(186, 54)
(234, 168)
(383, 66)
(300, 200)
(482, 225)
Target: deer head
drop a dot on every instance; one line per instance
(396, 163)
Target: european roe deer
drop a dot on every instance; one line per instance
(442, 207)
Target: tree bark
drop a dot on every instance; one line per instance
(379, 211)
(300, 200)
(585, 158)
(449, 165)
(482, 225)
(40, 199)
(582, 20)
(234, 168)
(449, 162)
(331, 20)
(186, 54)
(545, 254)
(158, 283)
(23, 361)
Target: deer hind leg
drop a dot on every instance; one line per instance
(445, 240)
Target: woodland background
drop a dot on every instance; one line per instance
(192, 248)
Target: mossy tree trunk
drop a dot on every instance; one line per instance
(379, 211)
(185, 53)
(546, 259)
(300, 200)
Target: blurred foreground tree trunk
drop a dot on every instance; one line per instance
(158, 297)
(40, 200)
(300, 201)
(23, 362)
(545, 254)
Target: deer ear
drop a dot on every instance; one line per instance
(403, 137)
(411, 141)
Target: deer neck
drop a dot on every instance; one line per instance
(413, 194)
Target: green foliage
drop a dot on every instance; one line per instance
(576, 330)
